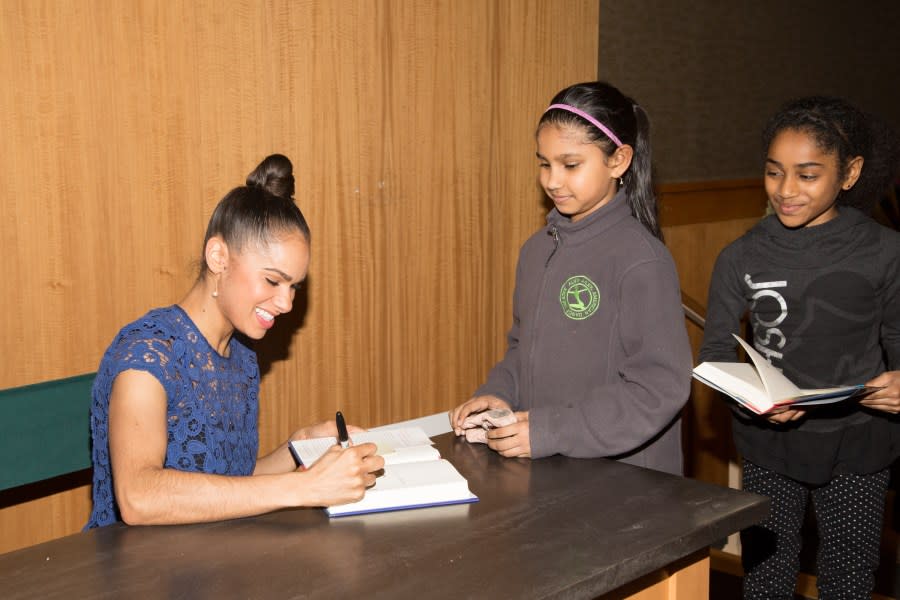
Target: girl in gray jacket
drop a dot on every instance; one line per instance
(598, 362)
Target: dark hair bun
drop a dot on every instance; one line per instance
(275, 174)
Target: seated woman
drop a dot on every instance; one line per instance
(175, 401)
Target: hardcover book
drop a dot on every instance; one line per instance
(414, 475)
(762, 388)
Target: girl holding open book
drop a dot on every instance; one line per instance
(821, 282)
(598, 361)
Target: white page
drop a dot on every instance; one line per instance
(432, 425)
(388, 441)
(738, 380)
(780, 388)
(411, 454)
(409, 485)
(395, 438)
(777, 385)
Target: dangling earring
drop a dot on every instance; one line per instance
(621, 183)
(215, 293)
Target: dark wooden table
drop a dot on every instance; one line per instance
(549, 528)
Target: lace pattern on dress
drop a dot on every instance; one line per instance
(212, 401)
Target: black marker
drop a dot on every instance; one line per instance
(343, 436)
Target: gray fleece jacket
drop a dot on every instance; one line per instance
(597, 353)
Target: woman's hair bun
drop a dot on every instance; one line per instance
(275, 174)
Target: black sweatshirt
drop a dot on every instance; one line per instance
(824, 306)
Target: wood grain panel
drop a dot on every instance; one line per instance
(699, 220)
(410, 125)
(685, 579)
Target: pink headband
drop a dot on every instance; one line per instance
(590, 119)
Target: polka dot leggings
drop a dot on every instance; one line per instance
(849, 511)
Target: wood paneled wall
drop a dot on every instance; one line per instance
(410, 125)
(698, 220)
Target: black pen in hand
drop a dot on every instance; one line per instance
(343, 436)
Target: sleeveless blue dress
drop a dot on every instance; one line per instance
(212, 401)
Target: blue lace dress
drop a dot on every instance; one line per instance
(212, 401)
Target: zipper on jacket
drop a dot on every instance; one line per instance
(555, 233)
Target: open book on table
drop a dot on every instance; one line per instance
(761, 387)
(414, 476)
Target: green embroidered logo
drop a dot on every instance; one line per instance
(579, 297)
